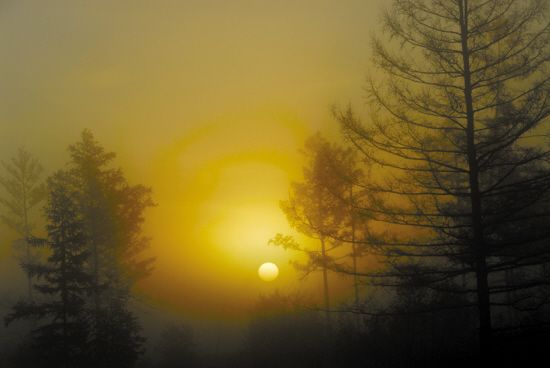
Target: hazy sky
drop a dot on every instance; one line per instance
(205, 101)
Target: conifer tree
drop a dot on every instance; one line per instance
(24, 191)
(112, 212)
(61, 336)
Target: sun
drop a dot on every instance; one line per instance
(268, 271)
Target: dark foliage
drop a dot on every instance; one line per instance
(60, 339)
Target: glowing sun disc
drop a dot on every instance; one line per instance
(268, 271)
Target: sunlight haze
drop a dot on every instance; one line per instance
(207, 102)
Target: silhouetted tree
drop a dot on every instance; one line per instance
(454, 126)
(24, 191)
(60, 340)
(116, 339)
(94, 228)
(316, 207)
(112, 212)
(344, 179)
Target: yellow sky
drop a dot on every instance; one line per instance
(206, 101)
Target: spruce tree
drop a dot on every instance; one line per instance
(112, 212)
(60, 339)
(24, 190)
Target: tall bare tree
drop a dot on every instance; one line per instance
(458, 127)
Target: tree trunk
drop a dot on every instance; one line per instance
(484, 306)
(354, 248)
(27, 234)
(325, 283)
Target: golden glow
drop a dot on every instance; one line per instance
(204, 101)
(268, 271)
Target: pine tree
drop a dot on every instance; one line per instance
(24, 191)
(112, 212)
(62, 282)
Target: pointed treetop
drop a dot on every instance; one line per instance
(88, 151)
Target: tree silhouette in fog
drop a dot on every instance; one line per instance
(318, 207)
(24, 189)
(112, 212)
(94, 236)
(60, 339)
(455, 126)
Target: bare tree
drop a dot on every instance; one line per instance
(458, 131)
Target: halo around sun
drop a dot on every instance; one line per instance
(268, 271)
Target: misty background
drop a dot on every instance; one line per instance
(188, 94)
